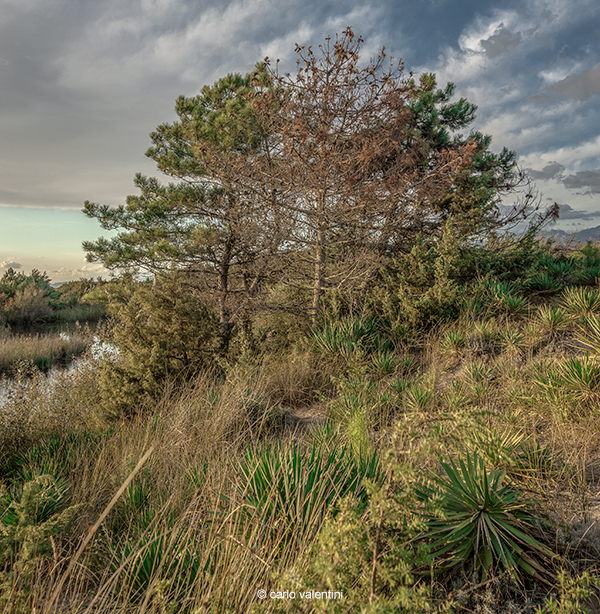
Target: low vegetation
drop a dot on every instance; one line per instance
(29, 301)
(43, 351)
(43, 326)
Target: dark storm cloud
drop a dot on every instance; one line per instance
(82, 83)
(502, 40)
(579, 86)
(586, 182)
(550, 171)
(567, 212)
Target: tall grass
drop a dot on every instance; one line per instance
(42, 350)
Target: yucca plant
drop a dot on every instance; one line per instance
(589, 334)
(345, 336)
(400, 385)
(533, 458)
(418, 398)
(544, 283)
(503, 297)
(497, 449)
(384, 362)
(513, 341)
(581, 377)
(589, 275)
(485, 332)
(563, 268)
(580, 302)
(478, 372)
(513, 452)
(547, 380)
(50, 496)
(552, 319)
(484, 525)
(167, 555)
(511, 304)
(292, 490)
(478, 376)
(330, 341)
(453, 342)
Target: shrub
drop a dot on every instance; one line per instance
(589, 334)
(552, 319)
(29, 305)
(419, 288)
(161, 557)
(348, 335)
(453, 343)
(500, 297)
(581, 377)
(162, 332)
(544, 282)
(28, 522)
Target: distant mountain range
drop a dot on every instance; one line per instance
(583, 236)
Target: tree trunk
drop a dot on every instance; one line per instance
(320, 260)
(224, 315)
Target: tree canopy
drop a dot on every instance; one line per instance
(313, 179)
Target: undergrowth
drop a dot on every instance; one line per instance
(450, 467)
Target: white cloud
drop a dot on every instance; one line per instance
(535, 85)
(71, 273)
(10, 264)
(573, 157)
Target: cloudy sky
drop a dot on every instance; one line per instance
(84, 82)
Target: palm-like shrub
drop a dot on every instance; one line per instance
(513, 452)
(453, 342)
(502, 297)
(292, 490)
(589, 334)
(513, 341)
(589, 275)
(345, 336)
(562, 268)
(484, 523)
(168, 555)
(419, 398)
(511, 304)
(485, 334)
(543, 282)
(580, 302)
(552, 319)
(384, 362)
(581, 377)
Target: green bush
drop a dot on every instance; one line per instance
(163, 331)
(420, 287)
(29, 519)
